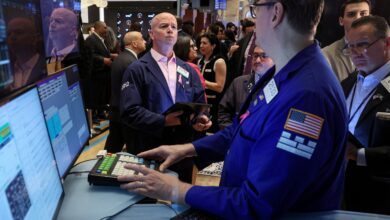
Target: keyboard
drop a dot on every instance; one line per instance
(109, 167)
(194, 214)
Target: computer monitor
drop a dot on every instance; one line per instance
(30, 186)
(22, 60)
(6, 77)
(60, 22)
(65, 116)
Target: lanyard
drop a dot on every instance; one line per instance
(360, 105)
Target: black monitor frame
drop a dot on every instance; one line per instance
(65, 71)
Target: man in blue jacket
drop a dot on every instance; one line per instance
(285, 151)
(153, 84)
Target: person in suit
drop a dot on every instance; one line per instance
(63, 33)
(238, 56)
(134, 45)
(99, 83)
(349, 12)
(367, 92)
(151, 85)
(26, 52)
(235, 95)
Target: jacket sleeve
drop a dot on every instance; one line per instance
(226, 108)
(132, 109)
(378, 159)
(276, 178)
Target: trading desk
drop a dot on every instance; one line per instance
(84, 201)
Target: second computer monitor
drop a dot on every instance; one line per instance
(65, 116)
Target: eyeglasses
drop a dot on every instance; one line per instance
(193, 46)
(359, 48)
(253, 7)
(262, 56)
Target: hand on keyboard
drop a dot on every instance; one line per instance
(154, 184)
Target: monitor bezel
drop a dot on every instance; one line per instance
(56, 74)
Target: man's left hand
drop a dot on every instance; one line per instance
(202, 123)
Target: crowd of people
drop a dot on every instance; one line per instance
(293, 122)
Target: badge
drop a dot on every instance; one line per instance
(270, 91)
(386, 83)
(183, 72)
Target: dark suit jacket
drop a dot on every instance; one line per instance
(367, 188)
(380, 102)
(145, 97)
(237, 61)
(234, 97)
(118, 68)
(99, 52)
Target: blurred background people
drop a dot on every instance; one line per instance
(236, 94)
(349, 12)
(213, 69)
(99, 80)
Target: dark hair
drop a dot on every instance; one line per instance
(214, 29)
(303, 15)
(246, 23)
(230, 24)
(230, 35)
(348, 2)
(379, 23)
(179, 22)
(182, 47)
(188, 27)
(213, 41)
(220, 24)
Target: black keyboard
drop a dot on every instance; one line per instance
(109, 167)
(194, 214)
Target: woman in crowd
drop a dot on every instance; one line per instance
(186, 50)
(213, 69)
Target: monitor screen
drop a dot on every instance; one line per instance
(22, 60)
(60, 20)
(65, 116)
(30, 187)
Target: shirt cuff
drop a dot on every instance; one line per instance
(361, 157)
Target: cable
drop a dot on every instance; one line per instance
(84, 162)
(78, 172)
(111, 216)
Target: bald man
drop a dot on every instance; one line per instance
(63, 33)
(134, 45)
(153, 84)
(25, 48)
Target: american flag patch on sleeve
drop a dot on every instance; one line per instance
(304, 123)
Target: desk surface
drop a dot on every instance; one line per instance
(84, 201)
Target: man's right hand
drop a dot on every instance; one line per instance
(170, 154)
(172, 119)
(107, 61)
